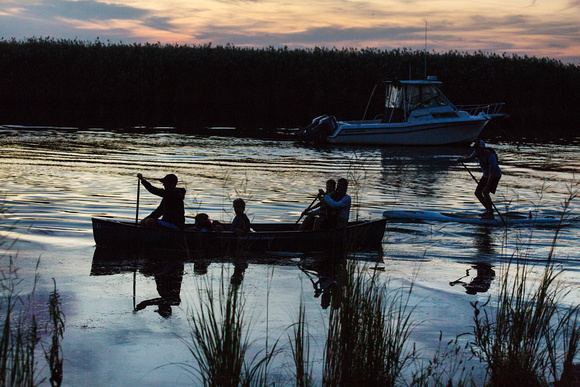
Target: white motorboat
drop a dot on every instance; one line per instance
(416, 113)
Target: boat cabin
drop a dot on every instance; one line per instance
(412, 100)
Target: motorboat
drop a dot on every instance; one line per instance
(416, 112)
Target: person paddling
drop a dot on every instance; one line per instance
(171, 209)
(320, 216)
(488, 163)
(339, 203)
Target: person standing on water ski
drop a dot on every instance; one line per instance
(491, 174)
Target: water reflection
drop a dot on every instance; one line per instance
(483, 241)
(327, 278)
(421, 167)
(53, 183)
(484, 270)
(325, 272)
(168, 277)
(482, 280)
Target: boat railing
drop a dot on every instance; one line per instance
(488, 109)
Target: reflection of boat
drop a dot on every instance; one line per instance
(415, 113)
(325, 271)
(266, 237)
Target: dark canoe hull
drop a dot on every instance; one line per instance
(267, 237)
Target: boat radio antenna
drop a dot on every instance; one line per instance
(425, 52)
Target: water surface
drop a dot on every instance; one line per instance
(54, 181)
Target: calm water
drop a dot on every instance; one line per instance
(54, 181)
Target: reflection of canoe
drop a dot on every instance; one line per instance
(512, 219)
(267, 237)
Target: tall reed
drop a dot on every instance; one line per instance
(368, 333)
(300, 347)
(98, 84)
(526, 337)
(447, 366)
(220, 340)
(21, 333)
(55, 325)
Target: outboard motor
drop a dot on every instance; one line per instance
(320, 128)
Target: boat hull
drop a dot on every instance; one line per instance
(267, 237)
(434, 133)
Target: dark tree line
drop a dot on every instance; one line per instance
(93, 84)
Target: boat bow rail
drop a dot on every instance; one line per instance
(488, 109)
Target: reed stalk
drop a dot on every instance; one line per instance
(300, 348)
(367, 335)
(55, 325)
(20, 330)
(20, 333)
(447, 367)
(220, 340)
(526, 337)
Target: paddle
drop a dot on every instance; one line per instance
(477, 182)
(459, 280)
(138, 194)
(306, 210)
(134, 287)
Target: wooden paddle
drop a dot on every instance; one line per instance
(476, 181)
(306, 210)
(138, 194)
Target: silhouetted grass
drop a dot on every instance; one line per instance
(526, 336)
(21, 333)
(220, 340)
(300, 348)
(447, 367)
(523, 337)
(56, 325)
(368, 334)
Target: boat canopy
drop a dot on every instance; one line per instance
(412, 95)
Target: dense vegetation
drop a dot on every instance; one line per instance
(75, 83)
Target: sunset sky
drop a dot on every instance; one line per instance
(541, 28)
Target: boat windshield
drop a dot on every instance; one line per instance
(411, 97)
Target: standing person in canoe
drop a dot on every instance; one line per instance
(171, 209)
(491, 174)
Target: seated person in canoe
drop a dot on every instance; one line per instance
(340, 202)
(320, 216)
(202, 223)
(171, 209)
(241, 223)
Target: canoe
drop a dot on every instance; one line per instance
(360, 235)
(511, 218)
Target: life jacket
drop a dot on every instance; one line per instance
(325, 209)
(491, 150)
